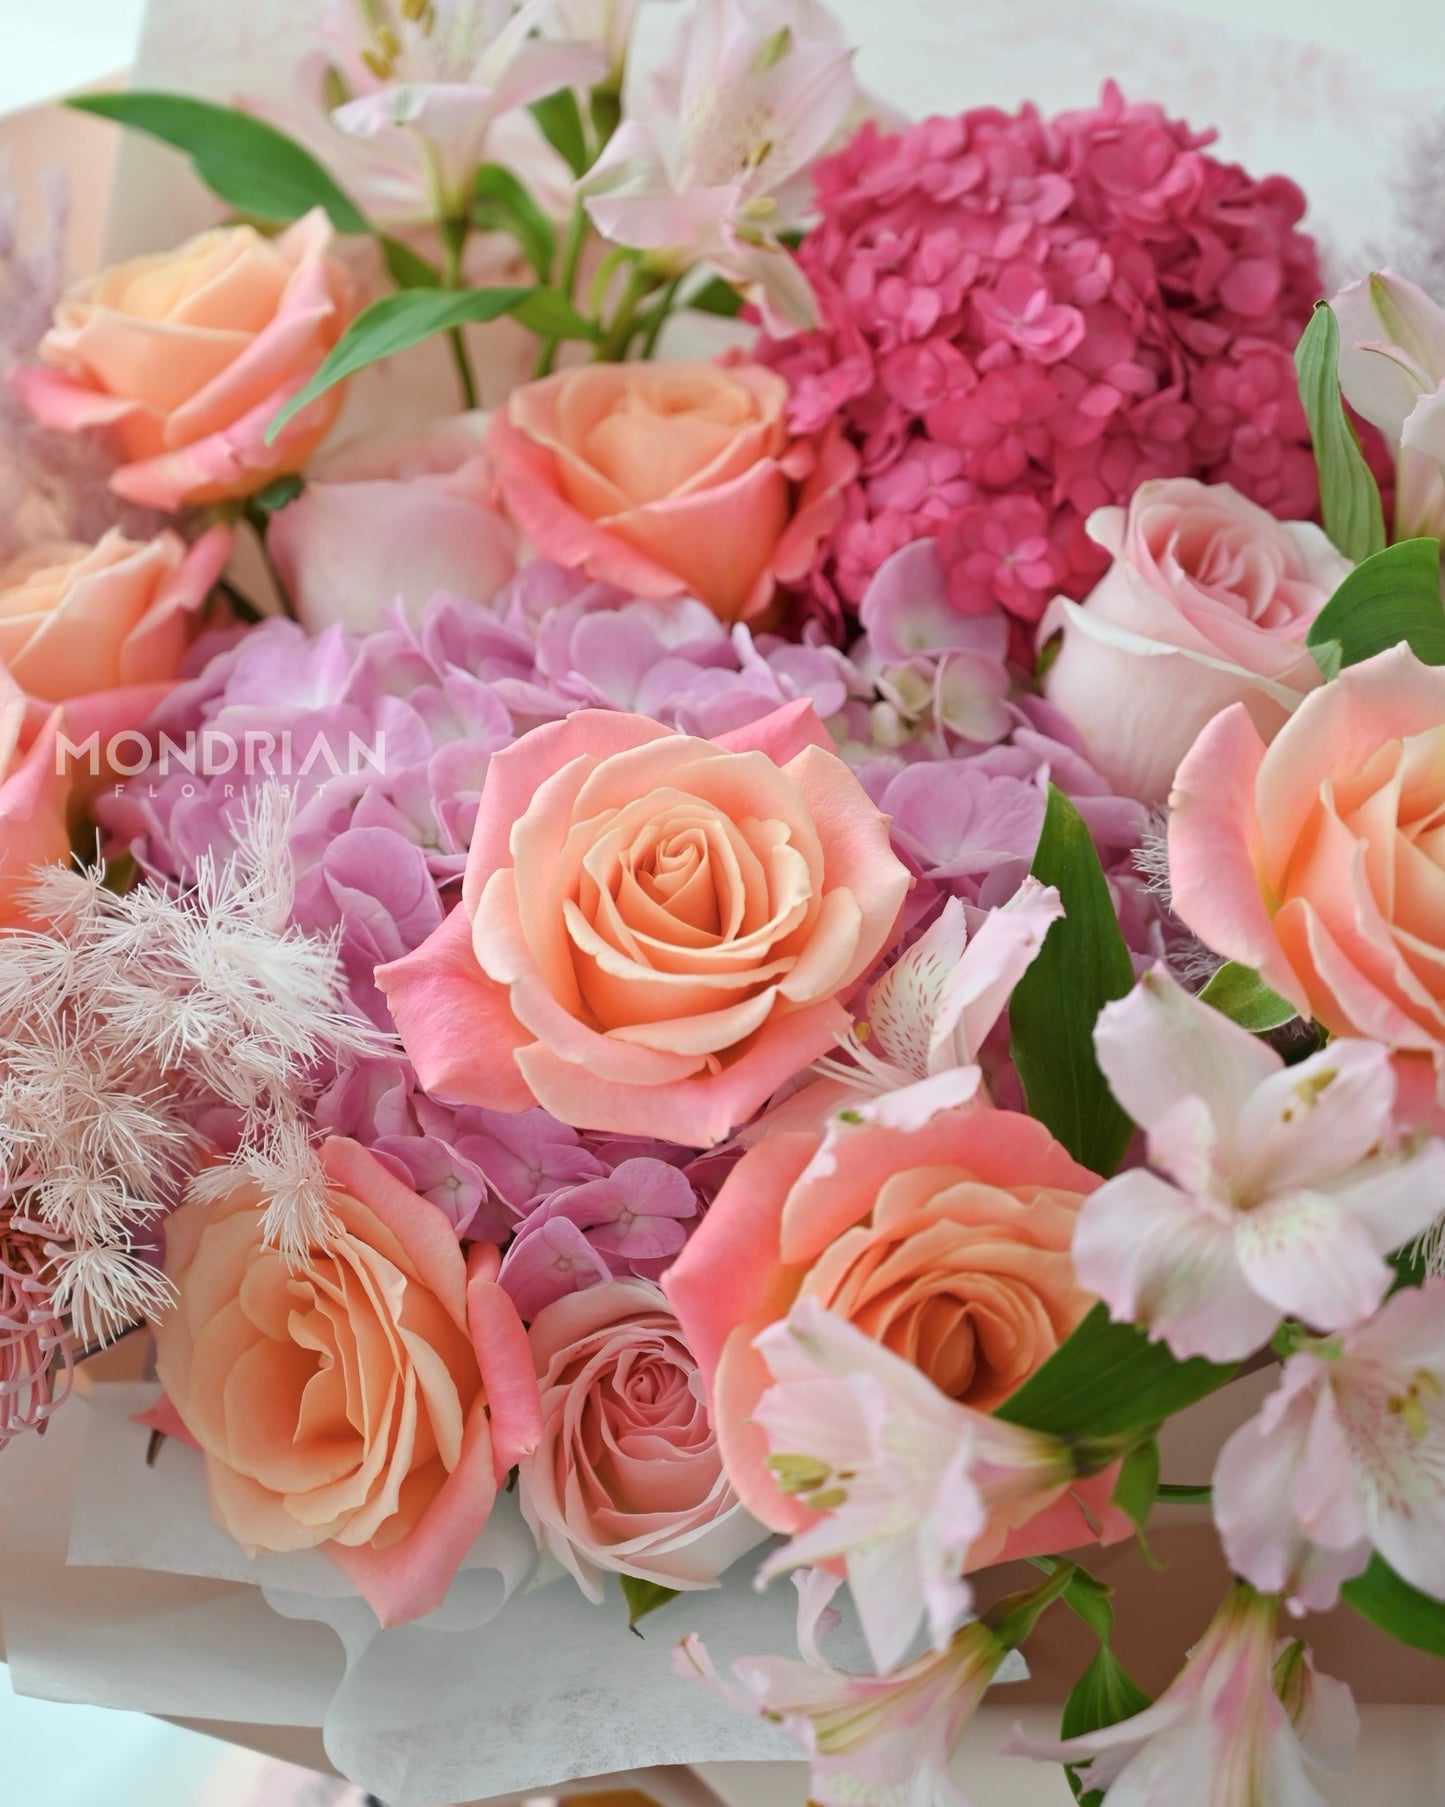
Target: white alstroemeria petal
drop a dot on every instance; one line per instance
(903, 1006)
(1311, 1260)
(1003, 948)
(1312, 1121)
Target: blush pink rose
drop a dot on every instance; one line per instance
(183, 358)
(947, 1243)
(1320, 859)
(654, 930)
(626, 1476)
(102, 629)
(369, 1401)
(387, 521)
(34, 793)
(670, 480)
(1207, 603)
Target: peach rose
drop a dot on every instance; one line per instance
(103, 628)
(654, 930)
(670, 480)
(387, 521)
(626, 1476)
(948, 1244)
(369, 1401)
(183, 358)
(33, 795)
(1206, 604)
(1320, 860)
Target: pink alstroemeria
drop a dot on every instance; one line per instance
(1347, 1453)
(903, 1478)
(917, 1049)
(447, 71)
(1235, 1728)
(1286, 1187)
(873, 1741)
(1392, 370)
(713, 174)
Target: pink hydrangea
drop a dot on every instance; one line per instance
(1023, 318)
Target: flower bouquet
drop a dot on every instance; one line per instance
(716, 990)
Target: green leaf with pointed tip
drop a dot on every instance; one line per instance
(1138, 1484)
(560, 119)
(249, 164)
(1103, 1695)
(1391, 598)
(1349, 495)
(1239, 993)
(643, 1597)
(1386, 1600)
(1106, 1379)
(397, 322)
(1082, 965)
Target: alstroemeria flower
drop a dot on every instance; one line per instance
(714, 171)
(917, 1049)
(1238, 1724)
(875, 1740)
(1392, 370)
(1285, 1187)
(448, 71)
(1347, 1453)
(903, 1479)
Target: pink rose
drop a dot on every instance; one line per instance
(947, 1243)
(654, 930)
(103, 628)
(183, 358)
(670, 480)
(389, 520)
(34, 791)
(1206, 604)
(369, 1401)
(1320, 859)
(626, 1476)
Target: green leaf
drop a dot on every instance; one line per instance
(504, 205)
(1239, 993)
(643, 1597)
(1138, 1485)
(1185, 1493)
(1349, 496)
(1380, 1596)
(560, 118)
(1105, 1379)
(277, 494)
(716, 297)
(249, 164)
(1082, 966)
(1090, 1600)
(397, 322)
(1392, 597)
(1410, 1265)
(405, 267)
(1103, 1695)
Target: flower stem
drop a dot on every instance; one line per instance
(657, 317)
(618, 336)
(454, 237)
(566, 282)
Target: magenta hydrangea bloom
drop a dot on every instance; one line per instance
(1023, 318)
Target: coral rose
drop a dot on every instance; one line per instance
(670, 480)
(1320, 860)
(627, 1476)
(654, 930)
(369, 1400)
(33, 795)
(183, 358)
(387, 521)
(1206, 604)
(947, 1243)
(103, 628)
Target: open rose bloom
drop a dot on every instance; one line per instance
(722, 914)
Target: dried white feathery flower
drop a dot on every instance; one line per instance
(126, 1021)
